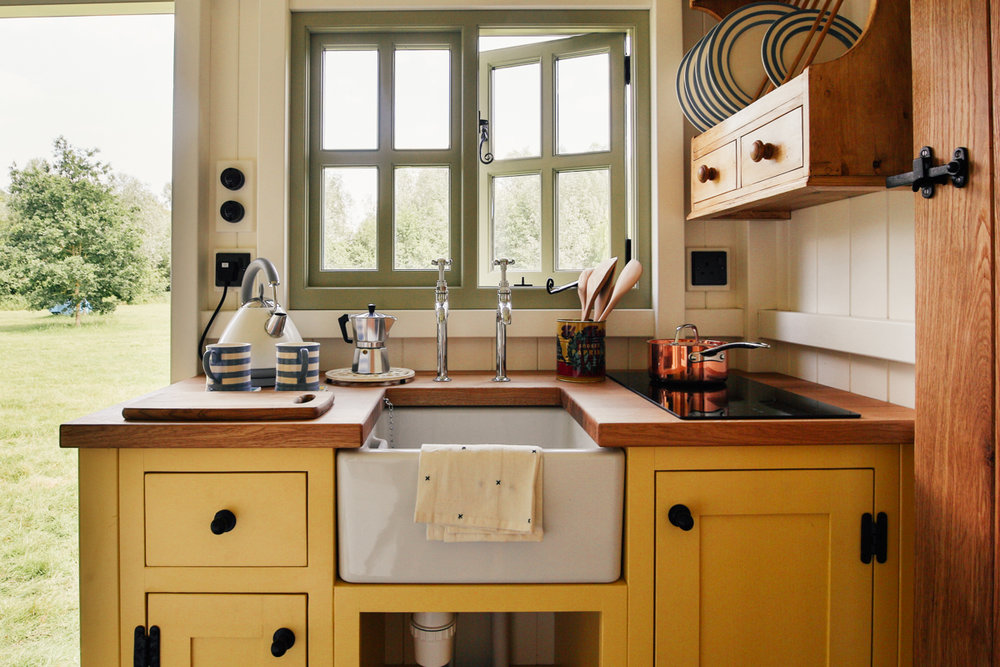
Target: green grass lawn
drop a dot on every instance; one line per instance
(52, 372)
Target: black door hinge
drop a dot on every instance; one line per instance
(874, 537)
(628, 70)
(146, 648)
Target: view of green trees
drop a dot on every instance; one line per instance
(421, 212)
(75, 234)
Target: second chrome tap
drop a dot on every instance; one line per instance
(441, 316)
(503, 319)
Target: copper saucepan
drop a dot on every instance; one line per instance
(692, 359)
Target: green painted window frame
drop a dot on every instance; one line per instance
(550, 163)
(309, 289)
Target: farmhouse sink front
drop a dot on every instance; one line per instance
(583, 491)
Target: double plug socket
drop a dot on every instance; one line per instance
(235, 202)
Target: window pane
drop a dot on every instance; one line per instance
(422, 210)
(350, 198)
(516, 130)
(350, 100)
(517, 220)
(584, 217)
(423, 92)
(583, 98)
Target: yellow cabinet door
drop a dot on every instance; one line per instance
(769, 573)
(221, 630)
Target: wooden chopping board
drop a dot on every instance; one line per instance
(176, 404)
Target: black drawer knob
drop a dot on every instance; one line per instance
(223, 522)
(282, 640)
(680, 516)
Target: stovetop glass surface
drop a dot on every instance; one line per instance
(736, 398)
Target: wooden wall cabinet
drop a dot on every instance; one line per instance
(835, 131)
(769, 570)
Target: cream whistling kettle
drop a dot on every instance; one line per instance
(260, 322)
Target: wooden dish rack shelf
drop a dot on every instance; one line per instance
(834, 131)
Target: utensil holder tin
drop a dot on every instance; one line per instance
(579, 351)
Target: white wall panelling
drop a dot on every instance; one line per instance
(848, 296)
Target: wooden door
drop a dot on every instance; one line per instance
(219, 630)
(770, 573)
(955, 234)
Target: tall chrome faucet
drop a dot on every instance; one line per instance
(441, 315)
(503, 319)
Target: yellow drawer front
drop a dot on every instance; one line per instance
(779, 148)
(229, 630)
(269, 511)
(714, 174)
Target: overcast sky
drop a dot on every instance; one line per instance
(102, 82)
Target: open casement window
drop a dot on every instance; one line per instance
(384, 158)
(383, 167)
(554, 197)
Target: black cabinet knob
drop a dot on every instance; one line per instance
(680, 516)
(223, 522)
(282, 640)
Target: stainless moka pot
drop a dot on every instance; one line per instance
(370, 331)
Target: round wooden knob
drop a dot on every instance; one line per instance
(761, 151)
(706, 173)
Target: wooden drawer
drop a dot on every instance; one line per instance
(720, 166)
(779, 146)
(269, 510)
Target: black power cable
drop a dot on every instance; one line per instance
(225, 290)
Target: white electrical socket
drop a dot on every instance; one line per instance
(235, 198)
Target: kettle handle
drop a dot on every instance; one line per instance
(343, 327)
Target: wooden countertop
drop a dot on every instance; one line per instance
(611, 414)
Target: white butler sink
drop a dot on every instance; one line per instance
(583, 490)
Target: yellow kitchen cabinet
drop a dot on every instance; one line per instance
(217, 549)
(756, 556)
(229, 630)
(767, 571)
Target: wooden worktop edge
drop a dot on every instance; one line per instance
(609, 413)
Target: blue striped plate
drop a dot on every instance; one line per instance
(682, 85)
(729, 71)
(782, 41)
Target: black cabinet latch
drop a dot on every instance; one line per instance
(925, 176)
(146, 647)
(874, 537)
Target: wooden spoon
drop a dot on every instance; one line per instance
(629, 277)
(596, 281)
(605, 294)
(581, 289)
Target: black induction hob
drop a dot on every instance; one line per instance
(736, 398)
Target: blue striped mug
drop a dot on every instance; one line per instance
(227, 367)
(296, 367)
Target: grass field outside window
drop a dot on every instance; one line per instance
(53, 372)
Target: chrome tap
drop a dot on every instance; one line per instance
(503, 319)
(441, 315)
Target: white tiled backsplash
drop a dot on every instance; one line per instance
(477, 354)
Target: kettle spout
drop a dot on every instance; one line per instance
(275, 325)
